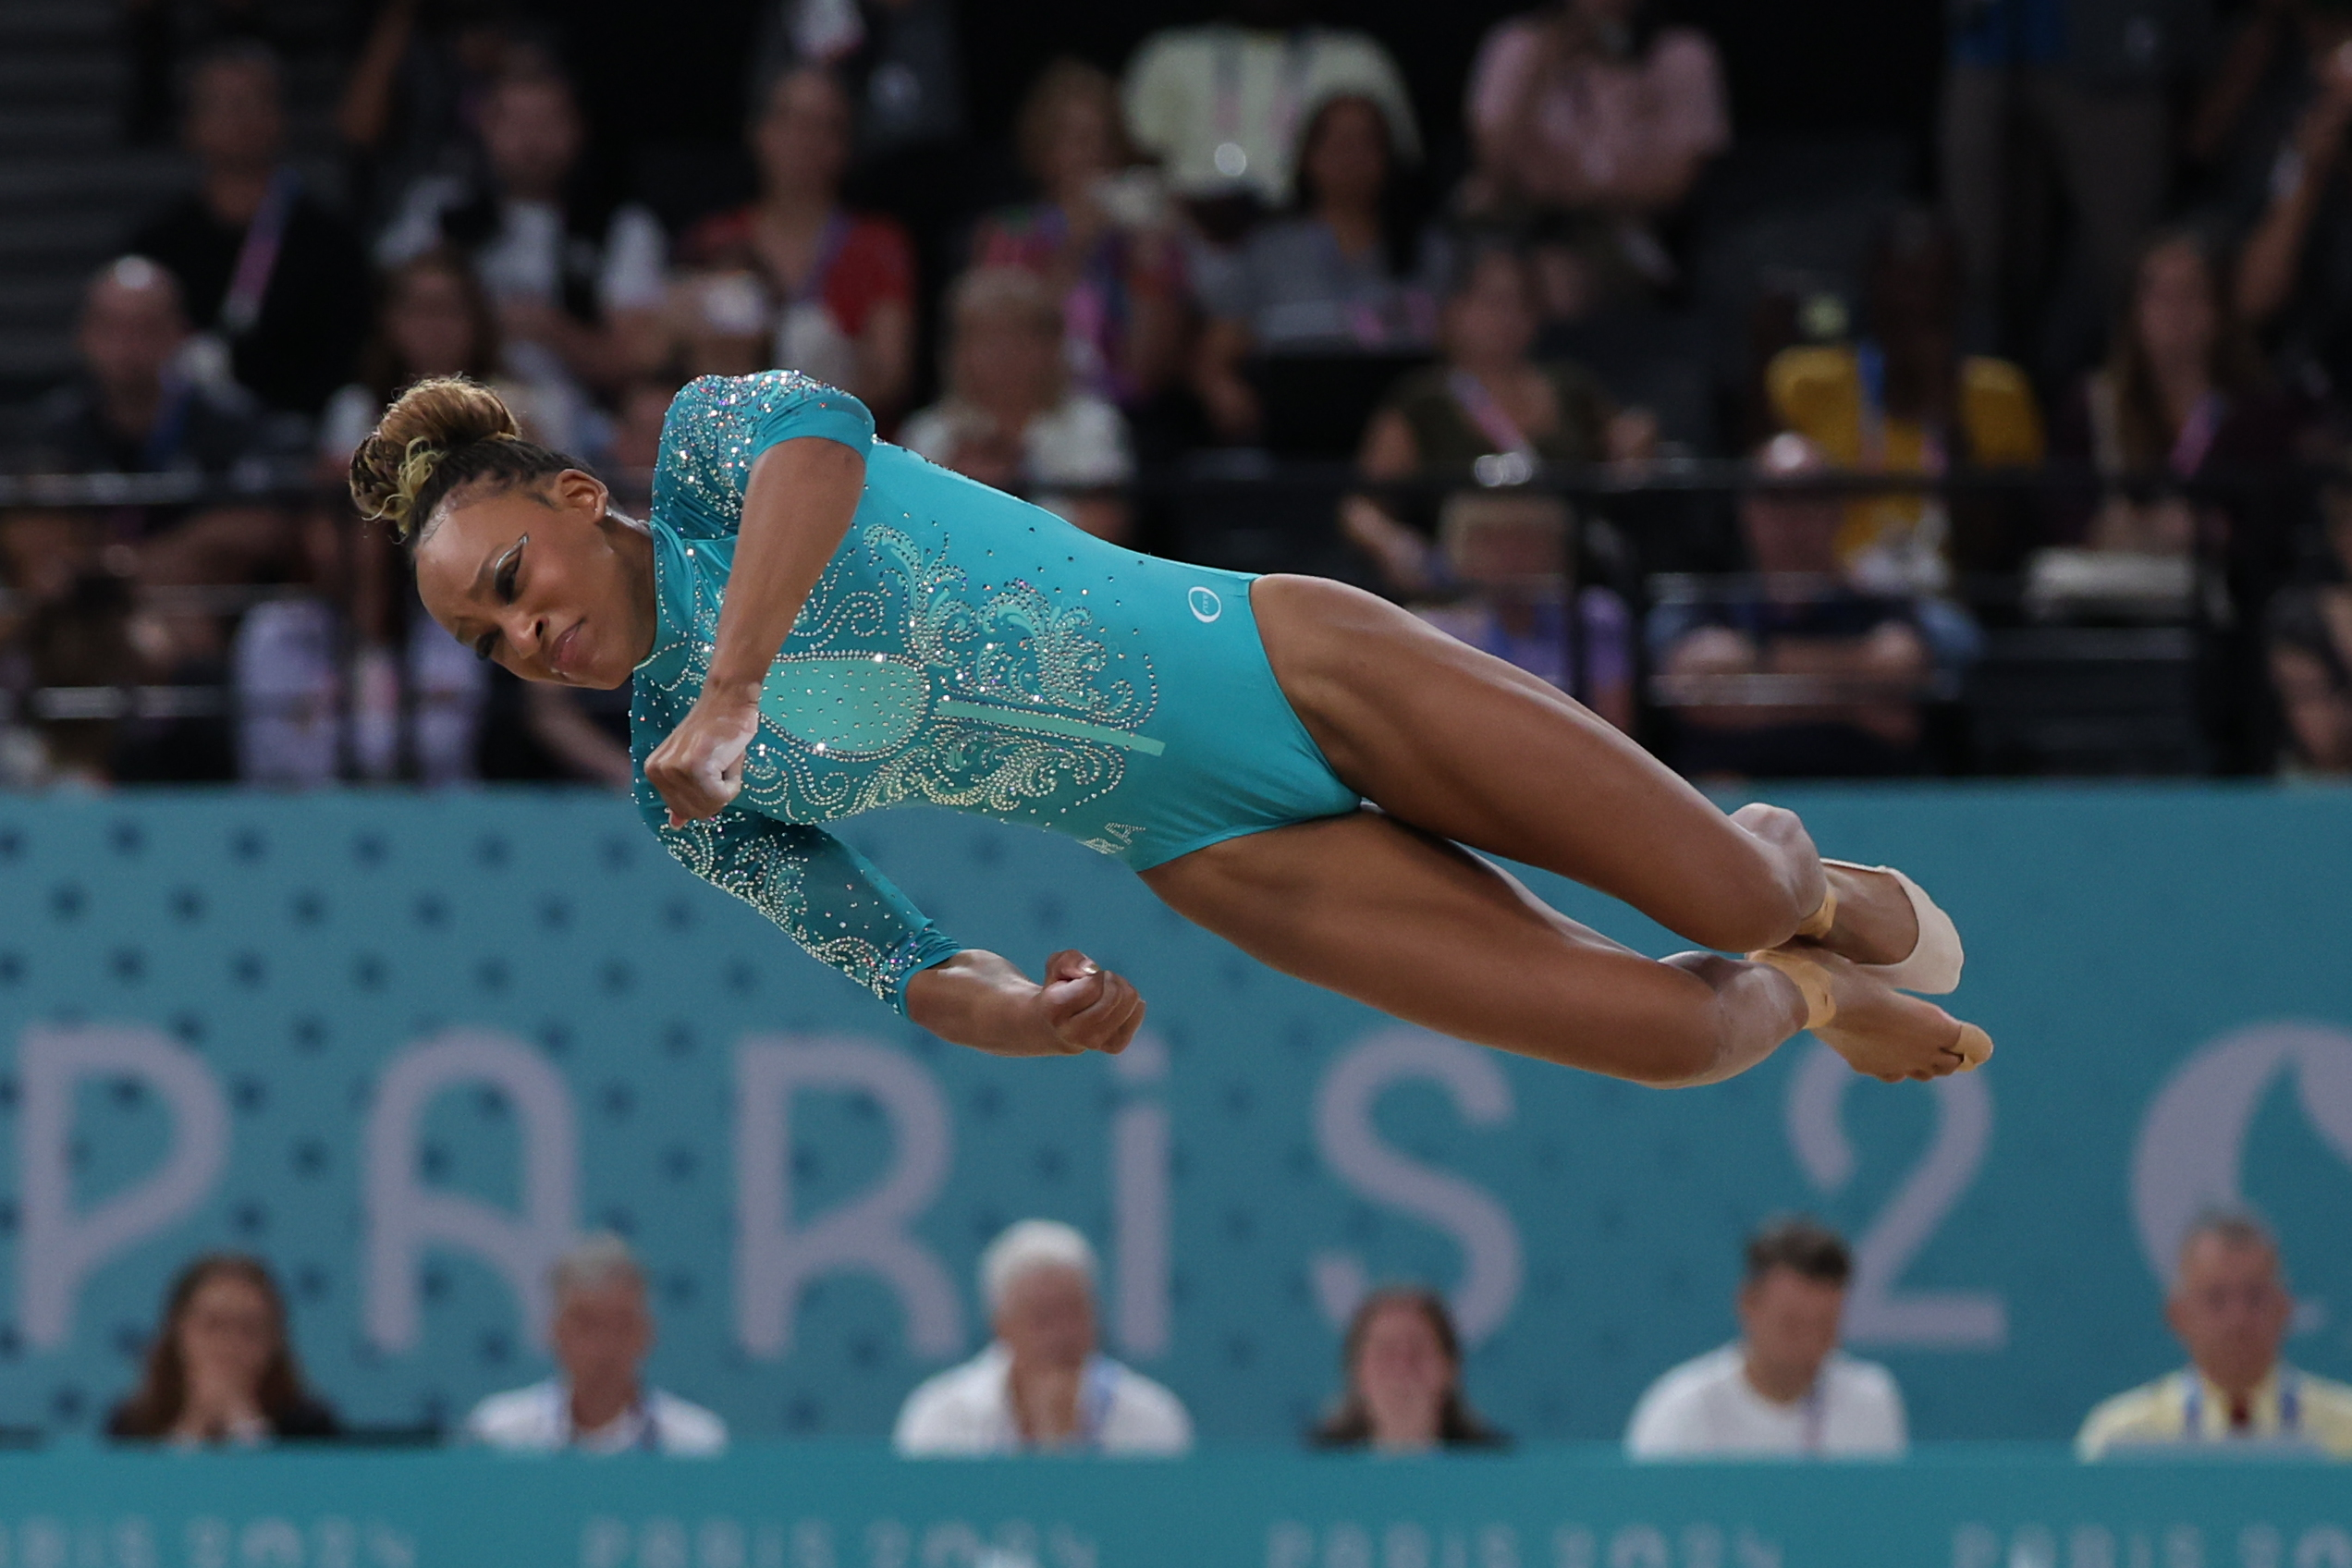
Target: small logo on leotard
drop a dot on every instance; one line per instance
(1207, 606)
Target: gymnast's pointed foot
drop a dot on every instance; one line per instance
(1883, 921)
(1877, 1029)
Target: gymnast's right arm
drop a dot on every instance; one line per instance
(843, 913)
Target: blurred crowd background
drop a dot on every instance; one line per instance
(1836, 390)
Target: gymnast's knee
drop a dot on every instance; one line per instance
(1707, 1036)
(1682, 1053)
(1773, 884)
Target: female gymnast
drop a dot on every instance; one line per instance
(821, 624)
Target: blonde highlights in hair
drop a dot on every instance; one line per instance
(441, 434)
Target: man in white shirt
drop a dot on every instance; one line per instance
(1783, 1388)
(1041, 1383)
(597, 1403)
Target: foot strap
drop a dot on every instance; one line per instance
(1817, 924)
(1812, 982)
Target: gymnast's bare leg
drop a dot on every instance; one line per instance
(1457, 748)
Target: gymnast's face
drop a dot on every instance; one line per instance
(543, 579)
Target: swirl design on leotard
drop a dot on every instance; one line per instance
(903, 681)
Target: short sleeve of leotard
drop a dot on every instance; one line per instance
(719, 424)
(828, 897)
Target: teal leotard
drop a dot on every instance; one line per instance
(964, 649)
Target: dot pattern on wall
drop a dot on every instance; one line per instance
(294, 950)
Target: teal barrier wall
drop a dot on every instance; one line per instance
(405, 1048)
(822, 1507)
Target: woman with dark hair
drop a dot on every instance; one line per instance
(1098, 234)
(1403, 1363)
(840, 284)
(1338, 276)
(220, 1369)
(2183, 395)
(432, 317)
(2184, 390)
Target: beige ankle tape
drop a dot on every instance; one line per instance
(1817, 924)
(1812, 982)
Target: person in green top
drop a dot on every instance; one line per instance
(820, 624)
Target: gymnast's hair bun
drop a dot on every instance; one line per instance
(394, 469)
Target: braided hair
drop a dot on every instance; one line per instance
(443, 435)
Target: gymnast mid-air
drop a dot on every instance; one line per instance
(820, 623)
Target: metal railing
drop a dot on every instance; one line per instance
(1295, 503)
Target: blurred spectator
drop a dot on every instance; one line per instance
(1510, 558)
(897, 61)
(1801, 614)
(1041, 1383)
(2183, 391)
(413, 104)
(1011, 417)
(1589, 110)
(2260, 62)
(2081, 89)
(275, 281)
(900, 66)
(1904, 400)
(407, 701)
(434, 713)
(156, 33)
(1098, 235)
(379, 691)
(432, 318)
(1783, 1388)
(721, 324)
(1488, 400)
(1220, 104)
(840, 285)
(2310, 647)
(220, 1369)
(2290, 191)
(2230, 1307)
(132, 411)
(637, 421)
(1341, 274)
(577, 279)
(598, 1401)
(1403, 1363)
(81, 633)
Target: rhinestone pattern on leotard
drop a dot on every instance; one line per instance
(903, 680)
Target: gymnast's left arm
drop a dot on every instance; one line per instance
(796, 511)
(978, 1000)
(845, 913)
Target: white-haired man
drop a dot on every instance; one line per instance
(2231, 1308)
(1041, 1383)
(597, 1403)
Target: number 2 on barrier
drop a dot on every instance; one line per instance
(1877, 1312)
